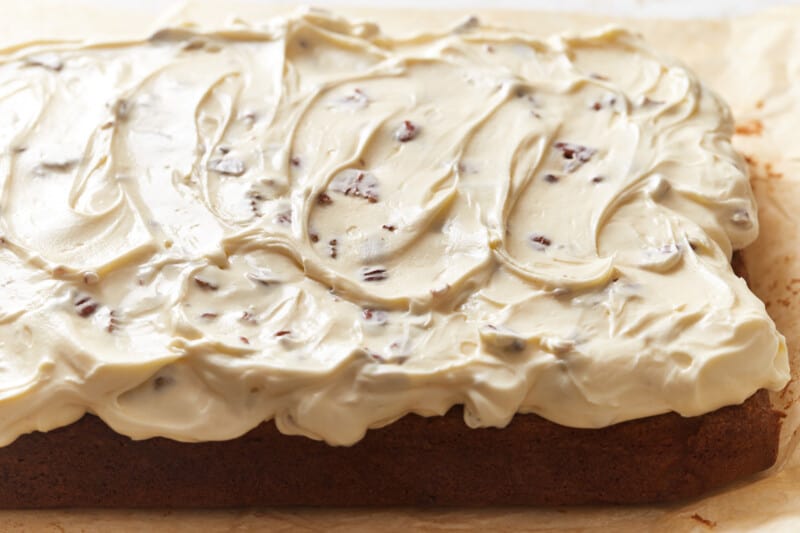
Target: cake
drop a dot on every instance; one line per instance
(472, 267)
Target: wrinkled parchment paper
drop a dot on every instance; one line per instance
(753, 62)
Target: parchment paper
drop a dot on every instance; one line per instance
(753, 61)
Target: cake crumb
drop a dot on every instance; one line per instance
(705, 521)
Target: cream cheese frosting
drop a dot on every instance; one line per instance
(313, 222)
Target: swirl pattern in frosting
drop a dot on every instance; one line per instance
(319, 224)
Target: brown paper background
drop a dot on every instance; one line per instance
(753, 61)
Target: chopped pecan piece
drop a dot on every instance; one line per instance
(374, 273)
(162, 381)
(121, 109)
(576, 154)
(262, 278)
(649, 102)
(406, 132)
(472, 22)
(540, 242)
(205, 284)
(48, 61)
(375, 316)
(356, 183)
(357, 97)
(85, 306)
(229, 166)
(742, 218)
(113, 322)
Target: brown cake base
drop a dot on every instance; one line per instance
(414, 461)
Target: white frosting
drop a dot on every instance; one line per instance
(316, 223)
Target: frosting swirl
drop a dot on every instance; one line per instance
(316, 223)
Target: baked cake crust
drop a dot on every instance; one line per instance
(414, 461)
